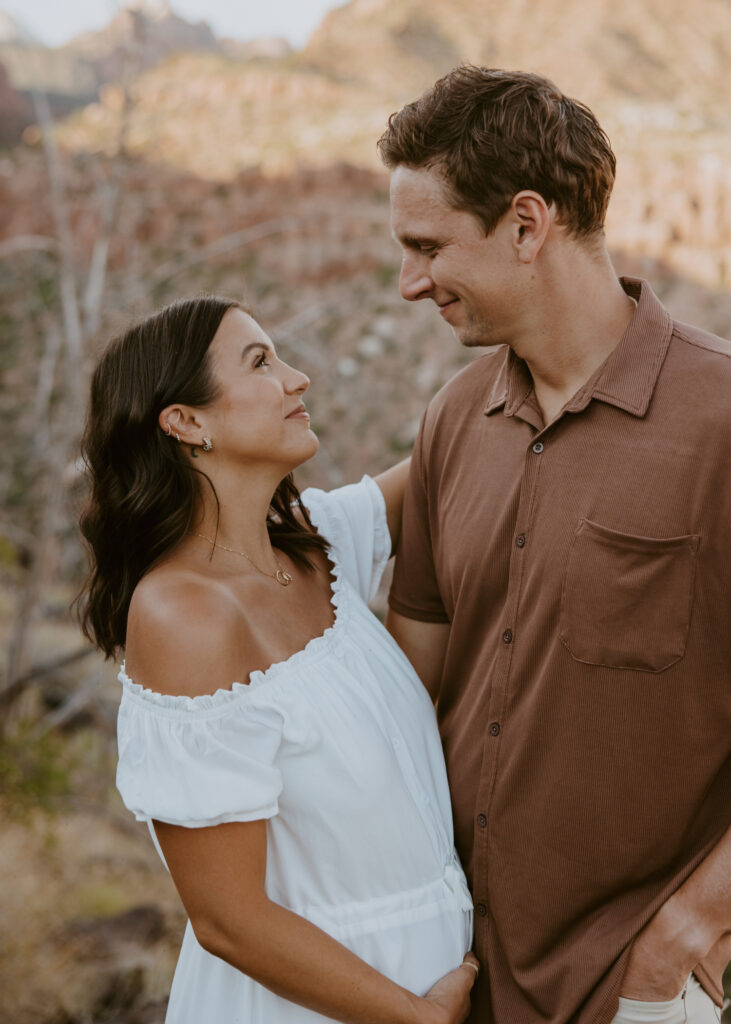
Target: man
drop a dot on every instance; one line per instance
(564, 578)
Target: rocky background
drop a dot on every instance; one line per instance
(151, 161)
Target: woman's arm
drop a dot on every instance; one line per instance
(393, 483)
(185, 638)
(219, 873)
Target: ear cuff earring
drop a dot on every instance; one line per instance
(205, 447)
(169, 433)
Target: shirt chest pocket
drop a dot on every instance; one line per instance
(626, 601)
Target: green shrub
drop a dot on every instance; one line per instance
(34, 771)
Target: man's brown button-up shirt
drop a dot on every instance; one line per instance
(585, 706)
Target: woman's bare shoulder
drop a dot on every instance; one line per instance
(186, 635)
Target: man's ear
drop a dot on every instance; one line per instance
(532, 220)
(180, 422)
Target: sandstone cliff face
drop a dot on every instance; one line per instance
(16, 112)
(13, 31)
(57, 72)
(256, 176)
(656, 73)
(137, 38)
(140, 37)
(669, 52)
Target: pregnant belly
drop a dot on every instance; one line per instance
(413, 937)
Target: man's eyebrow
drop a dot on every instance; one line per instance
(414, 241)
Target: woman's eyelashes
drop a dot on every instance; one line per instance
(262, 359)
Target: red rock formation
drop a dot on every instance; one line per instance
(16, 112)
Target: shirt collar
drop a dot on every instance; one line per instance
(626, 379)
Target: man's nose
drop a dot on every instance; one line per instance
(414, 280)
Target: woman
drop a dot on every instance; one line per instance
(273, 736)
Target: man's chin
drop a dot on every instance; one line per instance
(470, 337)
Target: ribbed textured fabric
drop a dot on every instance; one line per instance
(585, 707)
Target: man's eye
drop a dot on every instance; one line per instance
(428, 250)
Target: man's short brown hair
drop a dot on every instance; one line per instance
(494, 133)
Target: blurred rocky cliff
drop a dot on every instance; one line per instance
(656, 72)
(152, 160)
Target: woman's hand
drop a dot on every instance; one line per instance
(220, 873)
(450, 997)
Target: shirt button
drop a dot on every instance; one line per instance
(508, 636)
(480, 909)
(494, 729)
(538, 447)
(481, 820)
(520, 540)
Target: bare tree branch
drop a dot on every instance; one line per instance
(289, 334)
(13, 687)
(44, 390)
(110, 192)
(72, 705)
(28, 243)
(61, 436)
(67, 274)
(19, 535)
(222, 245)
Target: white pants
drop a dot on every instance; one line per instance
(692, 1006)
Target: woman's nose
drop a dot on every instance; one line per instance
(296, 381)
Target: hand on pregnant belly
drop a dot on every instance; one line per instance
(449, 999)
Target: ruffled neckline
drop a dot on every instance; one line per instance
(315, 648)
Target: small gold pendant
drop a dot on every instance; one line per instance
(283, 577)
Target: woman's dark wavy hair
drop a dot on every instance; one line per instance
(144, 490)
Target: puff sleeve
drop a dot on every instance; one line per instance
(197, 761)
(353, 519)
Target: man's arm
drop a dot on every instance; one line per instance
(684, 930)
(424, 644)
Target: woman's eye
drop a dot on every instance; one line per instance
(261, 360)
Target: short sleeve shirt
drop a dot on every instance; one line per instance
(585, 704)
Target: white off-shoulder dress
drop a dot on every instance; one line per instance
(338, 749)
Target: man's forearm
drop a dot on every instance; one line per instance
(683, 930)
(424, 644)
(706, 894)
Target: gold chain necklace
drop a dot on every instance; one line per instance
(281, 576)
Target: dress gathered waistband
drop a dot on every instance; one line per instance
(447, 893)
